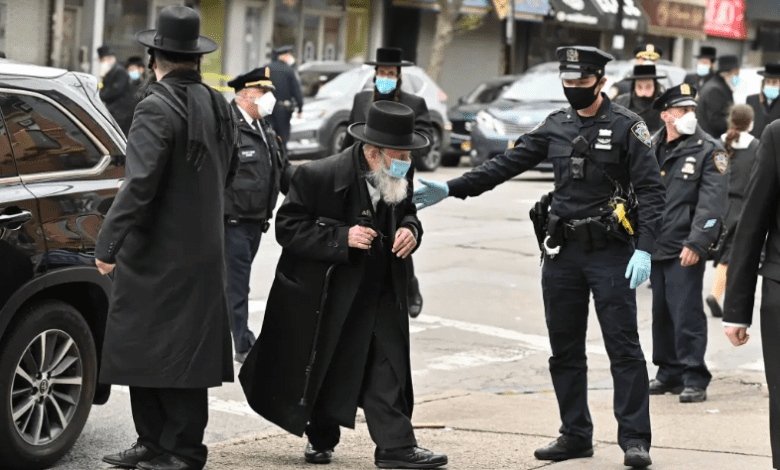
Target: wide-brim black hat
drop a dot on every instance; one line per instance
(389, 125)
(728, 62)
(707, 52)
(390, 57)
(645, 72)
(178, 30)
(770, 71)
(104, 51)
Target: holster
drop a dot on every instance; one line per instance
(539, 214)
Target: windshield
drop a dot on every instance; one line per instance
(345, 83)
(536, 87)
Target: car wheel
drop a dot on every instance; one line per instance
(432, 160)
(450, 159)
(337, 139)
(48, 371)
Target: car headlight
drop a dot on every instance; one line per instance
(487, 122)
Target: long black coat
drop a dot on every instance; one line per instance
(167, 324)
(118, 94)
(422, 117)
(763, 114)
(715, 100)
(740, 167)
(759, 224)
(325, 199)
(652, 117)
(698, 80)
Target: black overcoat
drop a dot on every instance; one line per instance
(740, 167)
(422, 117)
(287, 88)
(167, 324)
(715, 100)
(325, 199)
(762, 114)
(118, 94)
(652, 117)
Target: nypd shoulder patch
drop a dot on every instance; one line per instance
(642, 133)
(721, 161)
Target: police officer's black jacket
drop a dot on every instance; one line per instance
(620, 143)
(693, 169)
(263, 172)
(715, 99)
(763, 114)
(644, 108)
(286, 83)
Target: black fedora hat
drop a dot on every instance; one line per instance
(104, 51)
(645, 72)
(707, 52)
(389, 125)
(727, 63)
(390, 57)
(770, 71)
(178, 30)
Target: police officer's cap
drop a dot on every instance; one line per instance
(647, 52)
(259, 77)
(284, 49)
(581, 61)
(676, 97)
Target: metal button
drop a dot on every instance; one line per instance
(663, 173)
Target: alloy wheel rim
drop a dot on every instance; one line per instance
(46, 387)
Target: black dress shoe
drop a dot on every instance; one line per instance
(659, 388)
(637, 457)
(408, 457)
(129, 458)
(167, 462)
(564, 448)
(415, 298)
(715, 309)
(313, 455)
(693, 395)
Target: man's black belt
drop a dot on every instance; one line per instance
(232, 221)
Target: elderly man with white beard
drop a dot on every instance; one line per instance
(339, 295)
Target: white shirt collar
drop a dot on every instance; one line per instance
(249, 119)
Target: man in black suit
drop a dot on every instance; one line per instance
(762, 220)
(717, 96)
(705, 67)
(117, 91)
(387, 87)
(765, 103)
(287, 91)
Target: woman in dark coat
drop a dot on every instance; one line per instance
(644, 90)
(742, 148)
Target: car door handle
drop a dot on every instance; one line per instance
(14, 219)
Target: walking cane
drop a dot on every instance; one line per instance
(320, 311)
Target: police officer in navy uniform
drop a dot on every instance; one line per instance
(287, 91)
(251, 198)
(693, 167)
(591, 255)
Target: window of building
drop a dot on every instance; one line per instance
(253, 24)
(43, 138)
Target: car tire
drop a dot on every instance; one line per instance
(42, 419)
(432, 160)
(450, 160)
(337, 139)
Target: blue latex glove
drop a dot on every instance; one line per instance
(430, 193)
(638, 268)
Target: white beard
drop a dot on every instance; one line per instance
(391, 190)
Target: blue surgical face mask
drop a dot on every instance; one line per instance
(398, 168)
(385, 85)
(135, 74)
(771, 92)
(702, 70)
(735, 80)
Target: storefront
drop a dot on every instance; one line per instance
(725, 27)
(763, 17)
(681, 23)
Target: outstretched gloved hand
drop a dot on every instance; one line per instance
(430, 193)
(638, 268)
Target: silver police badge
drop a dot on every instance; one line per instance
(721, 161)
(642, 133)
(572, 55)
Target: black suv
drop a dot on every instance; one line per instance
(61, 164)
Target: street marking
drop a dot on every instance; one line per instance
(476, 358)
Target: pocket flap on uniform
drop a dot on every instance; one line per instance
(559, 151)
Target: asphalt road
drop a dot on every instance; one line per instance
(482, 326)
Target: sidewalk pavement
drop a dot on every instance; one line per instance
(500, 431)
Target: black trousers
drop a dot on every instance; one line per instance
(241, 244)
(567, 282)
(387, 414)
(172, 420)
(770, 328)
(679, 323)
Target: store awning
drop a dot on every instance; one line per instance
(676, 17)
(533, 10)
(726, 18)
(764, 10)
(599, 14)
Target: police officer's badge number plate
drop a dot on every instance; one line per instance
(721, 161)
(642, 133)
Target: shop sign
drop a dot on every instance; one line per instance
(726, 18)
(671, 17)
(632, 15)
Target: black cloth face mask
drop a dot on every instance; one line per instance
(581, 97)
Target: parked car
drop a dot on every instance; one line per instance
(464, 113)
(61, 162)
(317, 73)
(321, 129)
(530, 99)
